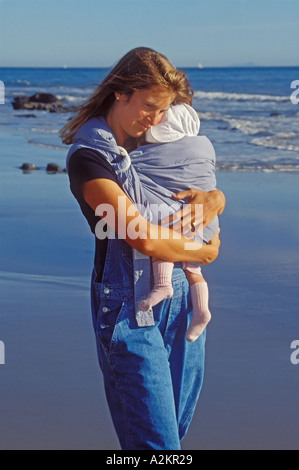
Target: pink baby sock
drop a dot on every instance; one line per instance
(201, 312)
(162, 271)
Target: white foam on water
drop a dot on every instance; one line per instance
(220, 95)
(76, 281)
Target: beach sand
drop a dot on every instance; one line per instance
(51, 390)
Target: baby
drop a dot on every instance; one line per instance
(162, 167)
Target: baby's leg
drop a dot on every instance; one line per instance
(200, 300)
(162, 271)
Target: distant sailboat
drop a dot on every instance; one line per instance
(200, 66)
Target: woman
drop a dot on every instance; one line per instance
(152, 375)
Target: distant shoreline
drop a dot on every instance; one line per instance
(63, 67)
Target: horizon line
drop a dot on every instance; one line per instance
(66, 67)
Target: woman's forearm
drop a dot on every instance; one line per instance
(115, 209)
(168, 245)
(220, 200)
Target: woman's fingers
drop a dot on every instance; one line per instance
(183, 194)
(179, 214)
(193, 233)
(176, 216)
(188, 219)
(182, 223)
(185, 222)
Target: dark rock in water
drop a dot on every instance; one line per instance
(39, 101)
(54, 168)
(28, 167)
(26, 115)
(20, 102)
(51, 168)
(43, 98)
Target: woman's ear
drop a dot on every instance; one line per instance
(121, 97)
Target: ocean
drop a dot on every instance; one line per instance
(246, 112)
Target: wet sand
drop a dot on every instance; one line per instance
(51, 391)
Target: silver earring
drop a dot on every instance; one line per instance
(117, 97)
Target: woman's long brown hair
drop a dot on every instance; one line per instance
(141, 68)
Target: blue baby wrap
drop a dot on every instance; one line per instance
(150, 175)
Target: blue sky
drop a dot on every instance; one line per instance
(96, 33)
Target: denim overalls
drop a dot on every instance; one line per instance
(152, 375)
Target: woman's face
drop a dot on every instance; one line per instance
(132, 115)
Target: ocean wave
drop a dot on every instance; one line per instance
(46, 145)
(280, 141)
(220, 95)
(265, 167)
(36, 278)
(67, 95)
(243, 125)
(72, 100)
(45, 131)
(18, 82)
(248, 127)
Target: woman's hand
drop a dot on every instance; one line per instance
(200, 211)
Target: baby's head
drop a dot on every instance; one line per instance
(179, 121)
